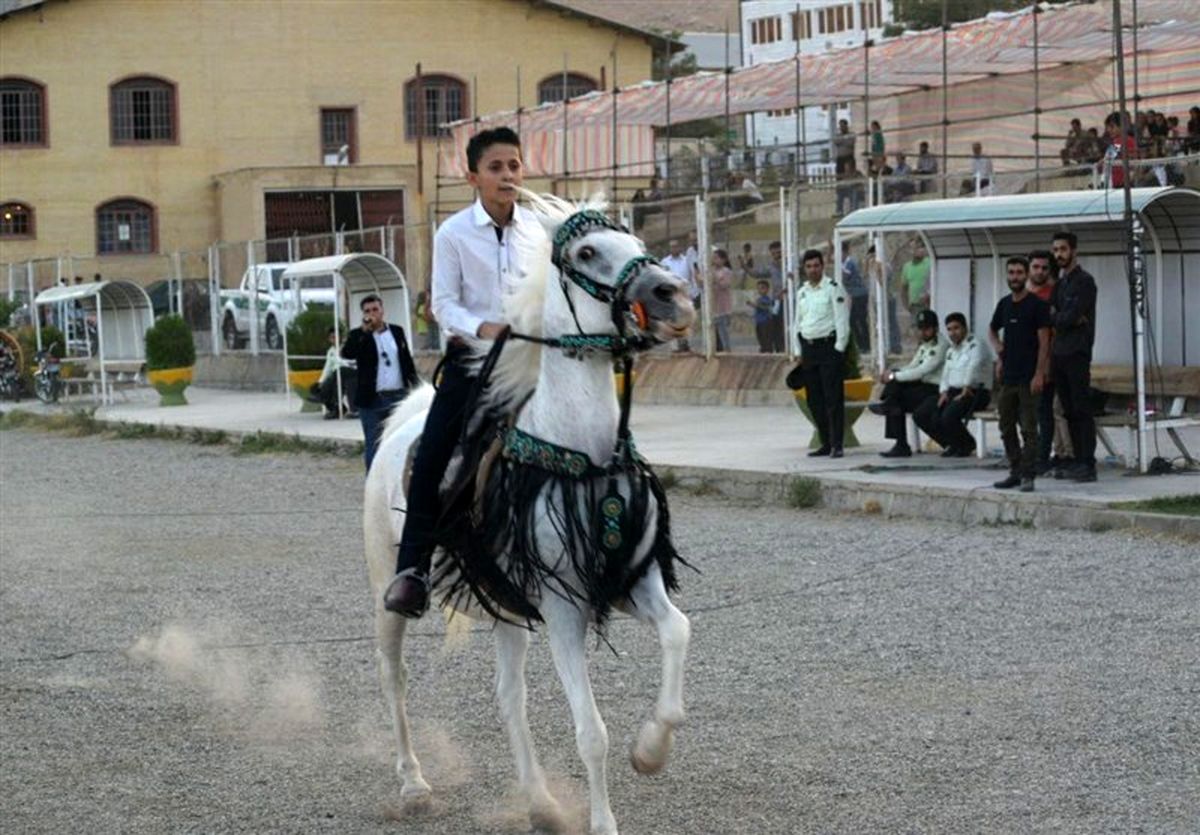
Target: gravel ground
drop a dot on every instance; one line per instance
(185, 647)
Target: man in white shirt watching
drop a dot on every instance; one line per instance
(681, 265)
(476, 261)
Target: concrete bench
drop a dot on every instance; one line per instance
(1176, 384)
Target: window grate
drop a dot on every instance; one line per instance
(21, 108)
(125, 226)
(143, 110)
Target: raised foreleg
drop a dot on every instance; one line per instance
(652, 605)
(512, 643)
(567, 625)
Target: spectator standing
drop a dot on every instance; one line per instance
(982, 173)
(849, 189)
(1021, 372)
(722, 298)
(963, 390)
(877, 149)
(1071, 148)
(927, 167)
(779, 289)
(385, 369)
(843, 145)
(856, 287)
(1192, 143)
(764, 305)
(915, 277)
(1041, 284)
(681, 267)
(905, 389)
(880, 275)
(746, 261)
(823, 326)
(1074, 319)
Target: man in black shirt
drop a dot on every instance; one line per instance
(1074, 318)
(1020, 372)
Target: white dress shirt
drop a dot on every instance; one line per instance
(926, 364)
(968, 365)
(823, 311)
(387, 378)
(473, 270)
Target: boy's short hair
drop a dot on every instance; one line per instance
(761, 282)
(368, 299)
(956, 317)
(774, 245)
(485, 139)
(812, 254)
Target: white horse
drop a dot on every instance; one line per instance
(571, 403)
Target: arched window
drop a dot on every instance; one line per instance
(551, 87)
(445, 99)
(125, 225)
(16, 221)
(142, 111)
(22, 113)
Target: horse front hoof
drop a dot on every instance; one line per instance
(416, 799)
(649, 753)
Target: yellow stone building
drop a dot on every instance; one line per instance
(135, 128)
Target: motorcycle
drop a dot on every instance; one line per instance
(10, 376)
(46, 383)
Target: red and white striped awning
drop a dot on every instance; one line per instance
(976, 52)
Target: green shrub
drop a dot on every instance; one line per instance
(804, 492)
(7, 306)
(169, 344)
(308, 335)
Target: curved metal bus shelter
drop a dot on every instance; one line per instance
(354, 277)
(968, 240)
(123, 315)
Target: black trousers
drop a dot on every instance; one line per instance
(1017, 406)
(947, 424)
(443, 428)
(1045, 420)
(860, 323)
(900, 399)
(823, 383)
(1073, 377)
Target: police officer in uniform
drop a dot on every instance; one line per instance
(905, 389)
(823, 325)
(966, 376)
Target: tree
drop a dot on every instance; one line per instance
(927, 14)
(681, 63)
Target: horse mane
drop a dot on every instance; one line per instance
(516, 371)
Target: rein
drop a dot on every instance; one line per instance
(522, 448)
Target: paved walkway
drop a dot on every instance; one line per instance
(771, 441)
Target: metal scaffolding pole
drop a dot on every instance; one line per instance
(945, 97)
(615, 144)
(667, 184)
(566, 172)
(799, 117)
(1037, 106)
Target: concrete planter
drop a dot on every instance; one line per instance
(858, 390)
(170, 383)
(301, 382)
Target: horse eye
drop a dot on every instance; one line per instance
(585, 253)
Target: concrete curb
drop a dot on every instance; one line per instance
(922, 502)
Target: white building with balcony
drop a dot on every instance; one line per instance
(774, 30)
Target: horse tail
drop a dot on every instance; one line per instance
(417, 401)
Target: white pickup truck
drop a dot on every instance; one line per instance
(276, 304)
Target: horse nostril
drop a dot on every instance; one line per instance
(664, 293)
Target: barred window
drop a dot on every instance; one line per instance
(445, 100)
(125, 226)
(22, 112)
(337, 132)
(142, 110)
(16, 221)
(550, 88)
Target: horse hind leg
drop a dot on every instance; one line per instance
(512, 644)
(393, 677)
(567, 625)
(651, 605)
